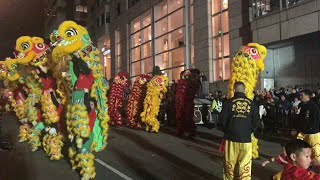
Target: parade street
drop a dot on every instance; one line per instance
(134, 154)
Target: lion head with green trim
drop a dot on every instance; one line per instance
(69, 38)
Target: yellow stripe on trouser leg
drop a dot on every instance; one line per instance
(255, 147)
(237, 158)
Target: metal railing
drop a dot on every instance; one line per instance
(278, 118)
(264, 7)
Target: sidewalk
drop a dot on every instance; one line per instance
(268, 147)
(137, 154)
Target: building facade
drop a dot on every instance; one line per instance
(98, 26)
(179, 34)
(290, 30)
(58, 11)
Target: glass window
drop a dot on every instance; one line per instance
(174, 5)
(191, 14)
(135, 54)
(263, 7)
(136, 68)
(168, 39)
(136, 25)
(217, 47)
(135, 39)
(146, 34)
(146, 65)
(161, 10)
(119, 64)
(161, 27)
(107, 17)
(215, 25)
(176, 73)
(81, 8)
(118, 50)
(175, 20)
(107, 62)
(176, 38)
(146, 20)
(215, 6)
(192, 56)
(162, 60)
(161, 44)
(218, 70)
(177, 57)
(146, 50)
(222, 69)
(192, 34)
(225, 22)
(226, 68)
(224, 4)
(226, 50)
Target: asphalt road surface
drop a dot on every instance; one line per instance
(134, 154)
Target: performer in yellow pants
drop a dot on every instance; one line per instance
(255, 147)
(308, 112)
(237, 159)
(239, 117)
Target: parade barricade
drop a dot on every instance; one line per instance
(281, 120)
(201, 105)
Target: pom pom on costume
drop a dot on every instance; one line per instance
(116, 95)
(156, 89)
(135, 104)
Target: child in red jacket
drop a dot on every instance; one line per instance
(299, 156)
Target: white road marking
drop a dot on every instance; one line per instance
(113, 170)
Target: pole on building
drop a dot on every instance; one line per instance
(153, 35)
(187, 33)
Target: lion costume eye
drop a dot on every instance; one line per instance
(253, 51)
(25, 46)
(40, 46)
(71, 32)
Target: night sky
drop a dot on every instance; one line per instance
(19, 18)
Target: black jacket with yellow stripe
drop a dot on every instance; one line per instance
(240, 117)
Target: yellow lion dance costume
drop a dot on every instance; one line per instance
(74, 47)
(9, 73)
(156, 89)
(246, 65)
(33, 56)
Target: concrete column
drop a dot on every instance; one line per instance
(202, 35)
(239, 25)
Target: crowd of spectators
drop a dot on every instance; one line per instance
(279, 105)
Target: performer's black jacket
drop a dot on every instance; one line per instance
(310, 117)
(240, 117)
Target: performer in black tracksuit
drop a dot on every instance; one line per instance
(240, 116)
(309, 115)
